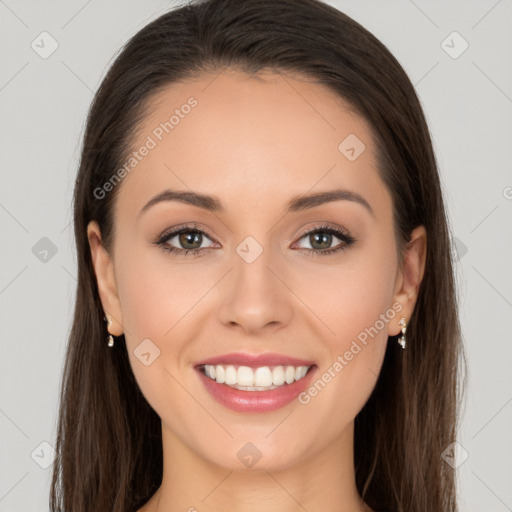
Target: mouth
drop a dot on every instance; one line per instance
(255, 388)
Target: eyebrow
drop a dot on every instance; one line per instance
(298, 203)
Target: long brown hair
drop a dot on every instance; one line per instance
(109, 445)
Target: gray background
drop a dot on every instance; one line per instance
(44, 101)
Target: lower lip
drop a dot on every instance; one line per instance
(256, 401)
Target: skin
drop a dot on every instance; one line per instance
(255, 142)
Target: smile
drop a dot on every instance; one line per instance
(262, 378)
(255, 390)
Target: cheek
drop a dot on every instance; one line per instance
(157, 300)
(348, 297)
(157, 294)
(352, 306)
(160, 301)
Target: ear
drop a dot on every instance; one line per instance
(409, 277)
(104, 270)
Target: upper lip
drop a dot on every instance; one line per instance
(256, 360)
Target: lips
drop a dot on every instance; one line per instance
(256, 360)
(256, 401)
(251, 399)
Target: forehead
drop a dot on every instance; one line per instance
(244, 138)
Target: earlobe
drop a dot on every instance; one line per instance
(411, 275)
(104, 270)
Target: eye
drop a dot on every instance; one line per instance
(189, 239)
(322, 237)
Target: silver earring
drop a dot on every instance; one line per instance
(401, 340)
(110, 338)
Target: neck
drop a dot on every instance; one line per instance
(319, 482)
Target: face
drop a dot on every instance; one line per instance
(319, 282)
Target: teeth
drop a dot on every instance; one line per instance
(278, 376)
(217, 372)
(262, 378)
(289, 374)
(231, 375)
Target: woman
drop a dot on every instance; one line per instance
(266, 315)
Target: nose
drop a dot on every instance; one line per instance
(255, 296)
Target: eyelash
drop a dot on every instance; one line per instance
(166, 236)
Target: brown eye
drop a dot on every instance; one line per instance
(185, 240)
(321, 238)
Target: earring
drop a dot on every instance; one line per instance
(401, 340)
(110, 337)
